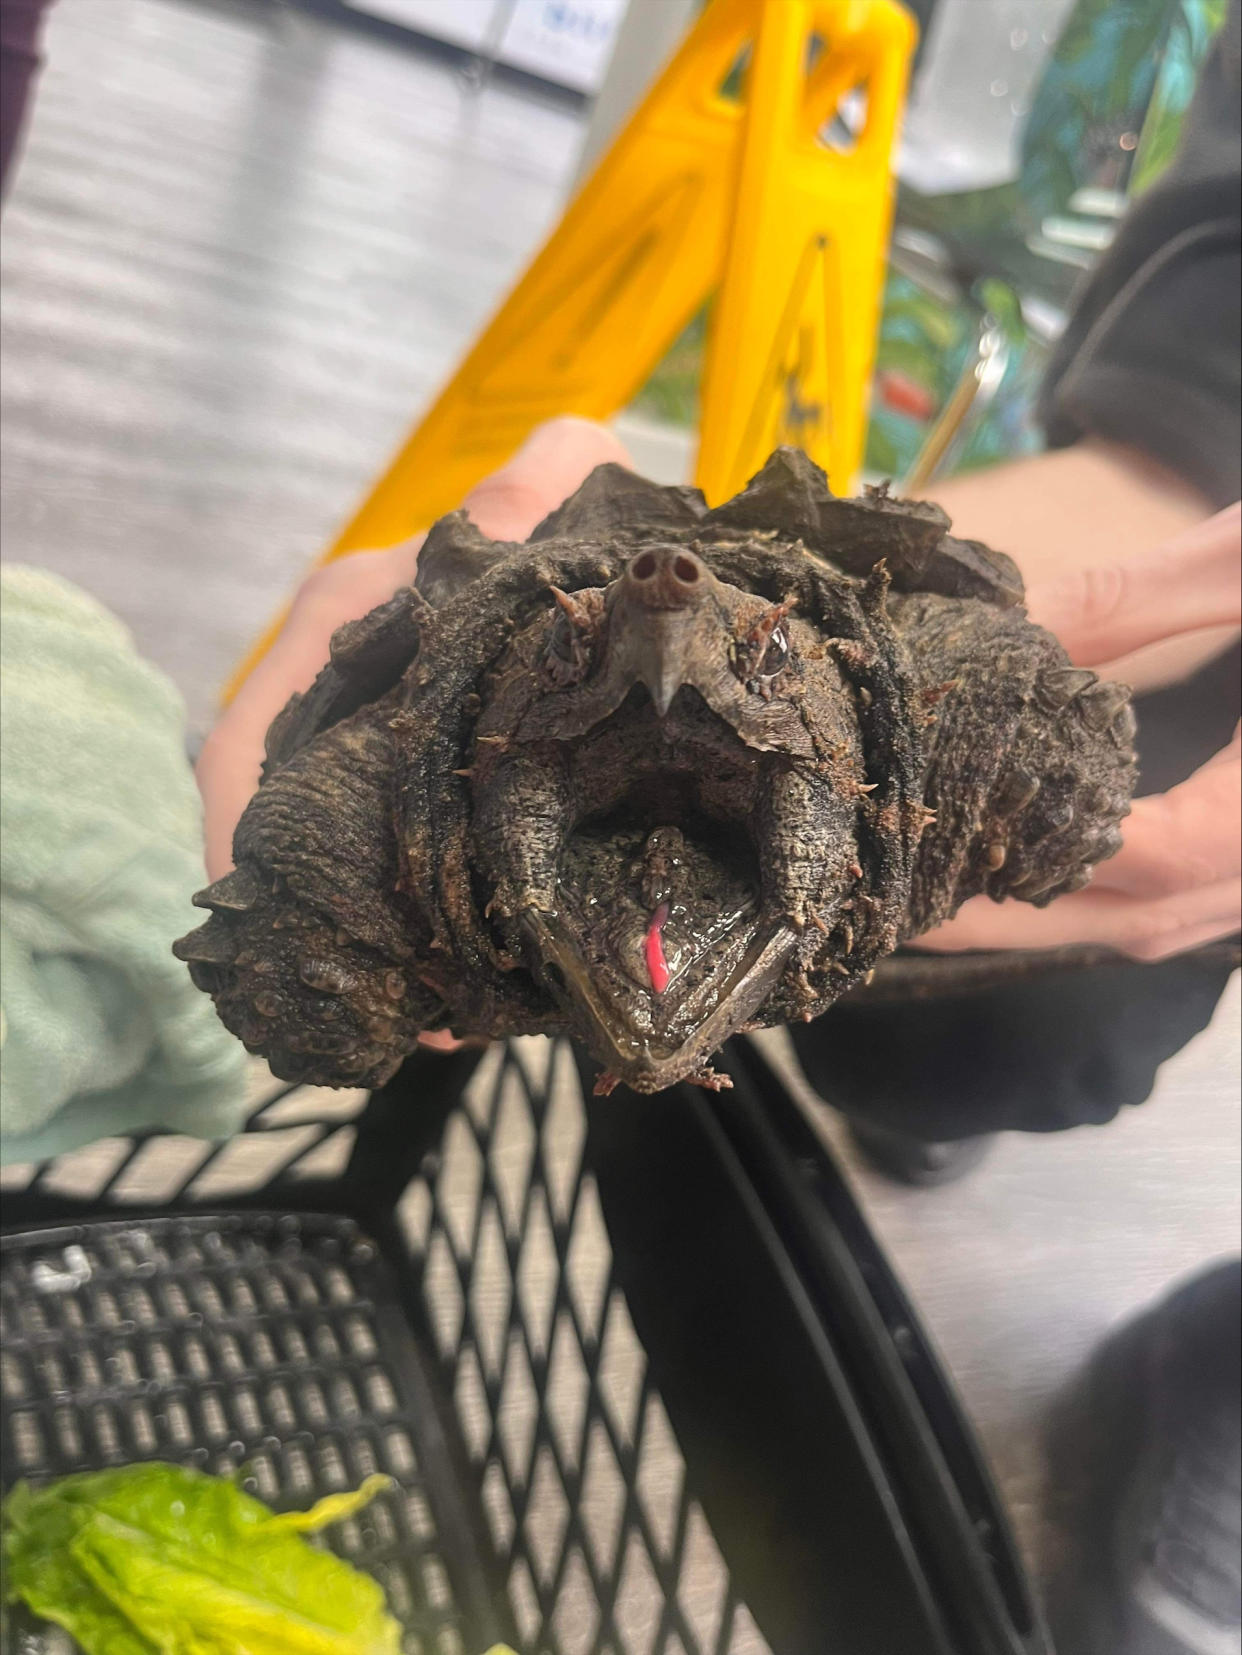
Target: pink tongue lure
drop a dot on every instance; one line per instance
(657, 965)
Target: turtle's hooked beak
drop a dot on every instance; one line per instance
(669, 624)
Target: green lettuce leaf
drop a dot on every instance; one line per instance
(158, 1560)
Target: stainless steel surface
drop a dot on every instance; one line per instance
(243, 248)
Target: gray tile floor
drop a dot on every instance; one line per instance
(243, 248)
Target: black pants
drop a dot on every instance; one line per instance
(1040, 1055)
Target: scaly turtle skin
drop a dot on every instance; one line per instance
(654, 776)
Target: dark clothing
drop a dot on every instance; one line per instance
(1151, 358)
(1069, 1049)
(21, 23)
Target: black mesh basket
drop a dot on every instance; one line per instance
(640, 1374)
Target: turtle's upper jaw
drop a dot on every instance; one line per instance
(668, 625)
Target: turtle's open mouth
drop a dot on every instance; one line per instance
(662, 936)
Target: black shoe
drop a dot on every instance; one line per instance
(912, 1161)
(1159, 1570)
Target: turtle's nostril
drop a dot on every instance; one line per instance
(666, 577)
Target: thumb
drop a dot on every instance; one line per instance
(554, 460)
(1182, 839)
(1101, 613)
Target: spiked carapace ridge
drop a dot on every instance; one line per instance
(656, 775)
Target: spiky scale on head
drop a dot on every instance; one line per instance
(655, 775)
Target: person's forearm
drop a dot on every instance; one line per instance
(1090, 505)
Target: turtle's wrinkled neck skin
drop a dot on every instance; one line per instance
(657, 775)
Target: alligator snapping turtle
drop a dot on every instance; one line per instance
(656, 775)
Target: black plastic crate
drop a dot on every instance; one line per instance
(641, 1376)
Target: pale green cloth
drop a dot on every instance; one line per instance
(101, 1030)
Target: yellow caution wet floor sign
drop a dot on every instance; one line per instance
(706, 190)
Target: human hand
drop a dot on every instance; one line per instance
(1176, 882)
(507, 505)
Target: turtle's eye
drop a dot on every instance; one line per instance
(775, 657)
(763, 654)
(568, 654)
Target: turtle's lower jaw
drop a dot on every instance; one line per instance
(650, 1053)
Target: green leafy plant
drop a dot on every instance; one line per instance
(154, 1559)
(1195, 25)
